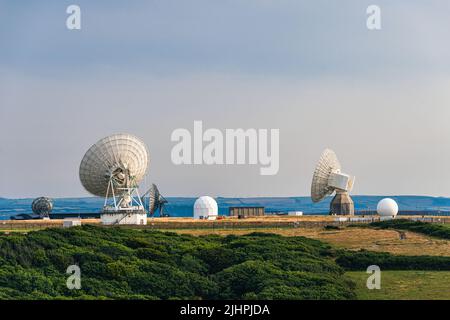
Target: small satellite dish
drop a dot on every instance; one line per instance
(327, 179)
(112, 168)
(155, 201)
(42, 206)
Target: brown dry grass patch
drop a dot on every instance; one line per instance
(355, 239)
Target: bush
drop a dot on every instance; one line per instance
(119, 263)
(360, 260)
(431, 229)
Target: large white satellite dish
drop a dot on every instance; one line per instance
(112, 168)
(327, 179)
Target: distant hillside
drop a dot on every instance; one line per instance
(179, 206)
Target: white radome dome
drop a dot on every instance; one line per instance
(205, 208)
(387, 208)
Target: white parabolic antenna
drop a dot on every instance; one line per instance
(327, 179)
(112, 168)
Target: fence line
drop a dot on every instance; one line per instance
(223, 224)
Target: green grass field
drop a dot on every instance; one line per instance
(404, 285)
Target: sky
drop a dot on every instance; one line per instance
(380, 99)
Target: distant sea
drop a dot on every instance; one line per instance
(182, 207)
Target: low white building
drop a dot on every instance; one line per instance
(295, 213)
(361, 219)
(124, 218)
(384, 218)
(71, 222)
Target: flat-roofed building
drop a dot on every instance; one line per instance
(71, 222)
(246, 211)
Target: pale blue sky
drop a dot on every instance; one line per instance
(309, 68)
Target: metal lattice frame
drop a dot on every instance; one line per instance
(119, 198)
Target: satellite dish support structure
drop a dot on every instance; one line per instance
(122, 198)
(328, 179)
(112, 168)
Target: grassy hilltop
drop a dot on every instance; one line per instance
(409, 285)
(124, 263)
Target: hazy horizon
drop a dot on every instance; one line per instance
(250, 197)
(380, 99)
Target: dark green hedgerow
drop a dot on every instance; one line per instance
(360, 260)
(118, 263)
(430, 229)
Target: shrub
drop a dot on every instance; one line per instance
(360, 260)
(120, 263)
(431, 229)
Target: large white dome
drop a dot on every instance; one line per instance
(205, 208)
(387, 207)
